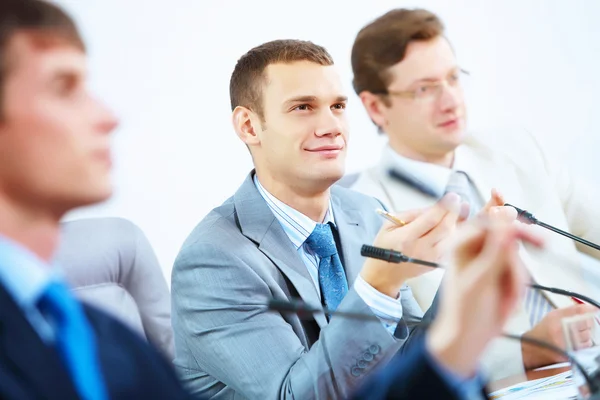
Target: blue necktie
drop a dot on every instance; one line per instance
(332, 277)
(75, 340)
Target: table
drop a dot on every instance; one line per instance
(528, 376)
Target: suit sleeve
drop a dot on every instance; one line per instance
(144, 279)
(222, 328)
(578, 198)
(408, 376)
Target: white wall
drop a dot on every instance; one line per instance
(164, 67)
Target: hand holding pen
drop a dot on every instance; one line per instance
(423, 234)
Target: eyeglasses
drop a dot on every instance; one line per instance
(432, 90)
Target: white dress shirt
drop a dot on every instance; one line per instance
(433, 176)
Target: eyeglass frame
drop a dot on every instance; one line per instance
(411, 94)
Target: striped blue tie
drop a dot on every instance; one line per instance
(332, 277)
(75, 340)
(537, 305)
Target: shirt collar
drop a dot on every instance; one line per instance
(22, 273)
(432, 175)
(296, 225)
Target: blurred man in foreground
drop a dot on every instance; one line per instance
(54, 147)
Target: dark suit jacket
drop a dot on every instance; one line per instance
(408, 376)
(29, 369)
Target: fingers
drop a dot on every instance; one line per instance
(495, 200)
(501, 213)
(424, 223)
(497, 248)
(465, 210)
(585, 309)
(498, 197)
(443, 230)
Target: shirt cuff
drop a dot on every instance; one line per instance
(387, 309)
(463, 388)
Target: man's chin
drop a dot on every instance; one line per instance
(94, 196)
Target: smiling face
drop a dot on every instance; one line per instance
(301, 139)
(54, 136)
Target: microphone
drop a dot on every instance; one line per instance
(392, 256)
(298, 307)
(528, 218)
(397, 257)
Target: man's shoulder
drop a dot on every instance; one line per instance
(217, 237)
(220, 221)
(506, 144)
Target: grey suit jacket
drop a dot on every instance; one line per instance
(228, 345)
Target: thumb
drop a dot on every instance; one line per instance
(495, 200)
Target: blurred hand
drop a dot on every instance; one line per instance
(549, 330)
(424, 237)
(484, 281)
(495, 208)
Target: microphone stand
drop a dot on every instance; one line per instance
(397, 257)
(528, 218)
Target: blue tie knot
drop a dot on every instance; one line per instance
(321, 241)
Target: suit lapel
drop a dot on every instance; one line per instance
(350, 227)
(400, 196)
(258, 224)
(33, 364)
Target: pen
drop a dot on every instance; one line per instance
(390, 217)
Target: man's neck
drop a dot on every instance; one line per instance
(312, 203)
(36, 230)
(442, 159)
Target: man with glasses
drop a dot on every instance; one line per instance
(412, 88)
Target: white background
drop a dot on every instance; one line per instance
(164, 67)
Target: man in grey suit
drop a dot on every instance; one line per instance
(288, 233)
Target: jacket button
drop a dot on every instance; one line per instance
(362, 364)
(374, 349)
(368, 356)
(356, 371)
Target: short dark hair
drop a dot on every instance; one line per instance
(383, 42)
(245, 86)
(46, 21)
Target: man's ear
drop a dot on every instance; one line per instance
(375, 108)
(247, 125)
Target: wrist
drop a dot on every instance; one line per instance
(376, 274)
(451, 349)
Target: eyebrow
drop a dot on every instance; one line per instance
(311, 99)
(430, 79)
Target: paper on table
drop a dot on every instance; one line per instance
(557, 387)
(553, 366)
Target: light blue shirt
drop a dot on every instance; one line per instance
(298, 228)
(25, 277)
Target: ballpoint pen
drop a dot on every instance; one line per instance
(390, 217)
